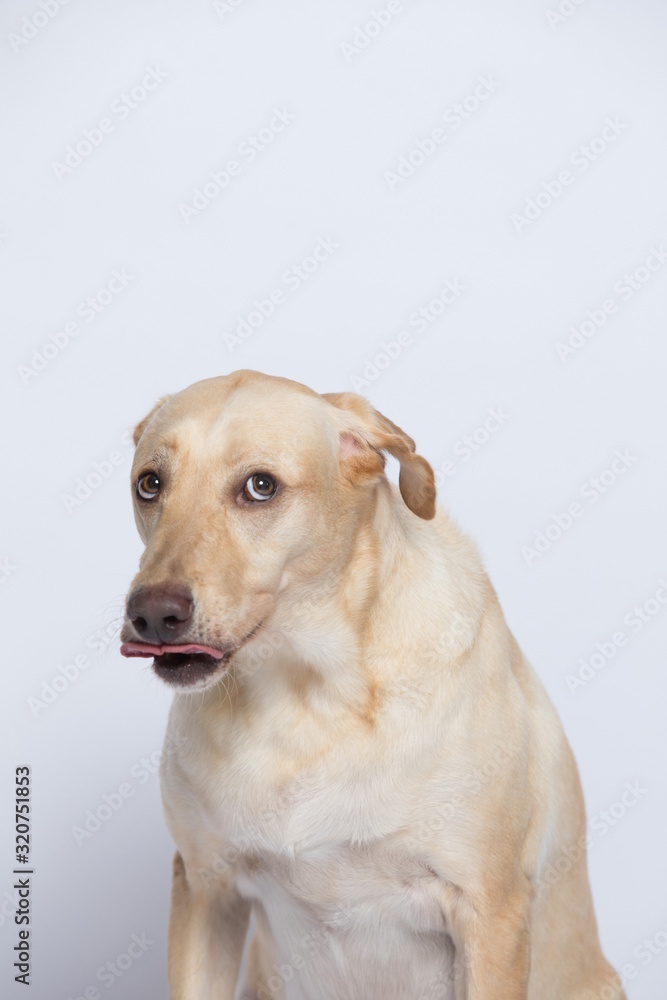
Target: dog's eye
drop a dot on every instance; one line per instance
(148, 485)
(259, 487)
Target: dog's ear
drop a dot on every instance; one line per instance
(365, 434)
(141, 426)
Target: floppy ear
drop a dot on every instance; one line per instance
(141, 426)
(365, 434)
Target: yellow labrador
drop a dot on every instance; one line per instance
(359, 753)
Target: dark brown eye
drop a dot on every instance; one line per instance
(148, 485)
(259, 487)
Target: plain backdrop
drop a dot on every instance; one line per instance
(539, 197)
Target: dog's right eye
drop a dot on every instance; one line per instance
(261, 486)
(148, 485)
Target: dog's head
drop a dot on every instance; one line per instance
(248, 489)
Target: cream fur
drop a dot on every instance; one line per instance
(379, 775)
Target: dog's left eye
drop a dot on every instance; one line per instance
(148, 485)
(259, 487)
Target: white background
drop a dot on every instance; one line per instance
(355, 113)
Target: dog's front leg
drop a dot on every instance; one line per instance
(207, 929)
(492, 942)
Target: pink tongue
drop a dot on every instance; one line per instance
(146, 649)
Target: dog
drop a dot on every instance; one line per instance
(357, 753)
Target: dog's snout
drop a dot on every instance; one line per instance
(160, 613)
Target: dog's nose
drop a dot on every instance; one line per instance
(161, 613)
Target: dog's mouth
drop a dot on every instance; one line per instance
(188, 664)
(183, 665)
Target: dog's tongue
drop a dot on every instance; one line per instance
(146, 649)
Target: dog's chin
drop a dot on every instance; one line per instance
(189, 672)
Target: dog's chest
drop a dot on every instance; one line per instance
(325, 822)
(288, 792)
(322, 849)
(269, 811)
